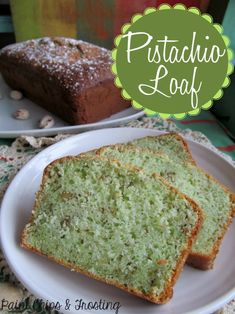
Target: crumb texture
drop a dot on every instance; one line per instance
(170, 145)
(113, 222)
(187, 178)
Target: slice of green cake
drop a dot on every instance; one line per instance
(171, 144)
(215, 200)
(114, 224)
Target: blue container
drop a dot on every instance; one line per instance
(6, 24)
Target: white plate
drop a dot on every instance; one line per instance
(196, 291)
(10, 127)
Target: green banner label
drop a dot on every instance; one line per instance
(172, 61)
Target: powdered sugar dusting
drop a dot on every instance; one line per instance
(73, 64)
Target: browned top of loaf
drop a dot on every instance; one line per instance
(74, 64)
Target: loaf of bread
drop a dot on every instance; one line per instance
(68, 77)
(216, 201)
(113, 223)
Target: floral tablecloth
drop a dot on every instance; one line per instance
(13, 157)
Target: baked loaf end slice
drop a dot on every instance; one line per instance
(216, 201)
(113, 224)
(68, 77)
(171, 144)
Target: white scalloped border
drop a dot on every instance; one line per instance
(182, 115)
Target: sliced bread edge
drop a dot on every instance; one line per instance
(168, 291)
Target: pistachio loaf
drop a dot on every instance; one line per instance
(69, 77)
(217, 202)
(113, 223)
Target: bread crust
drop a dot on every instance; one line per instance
(197, 260)
(168, 290)
(206, 262)
(201, 261)
(180, 139)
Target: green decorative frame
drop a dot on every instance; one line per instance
(194, 112)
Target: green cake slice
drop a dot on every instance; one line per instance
(113, 223)
(217, 202)
(171, 144)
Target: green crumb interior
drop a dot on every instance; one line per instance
(115, 223)
(168, 145)
(189, 179)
